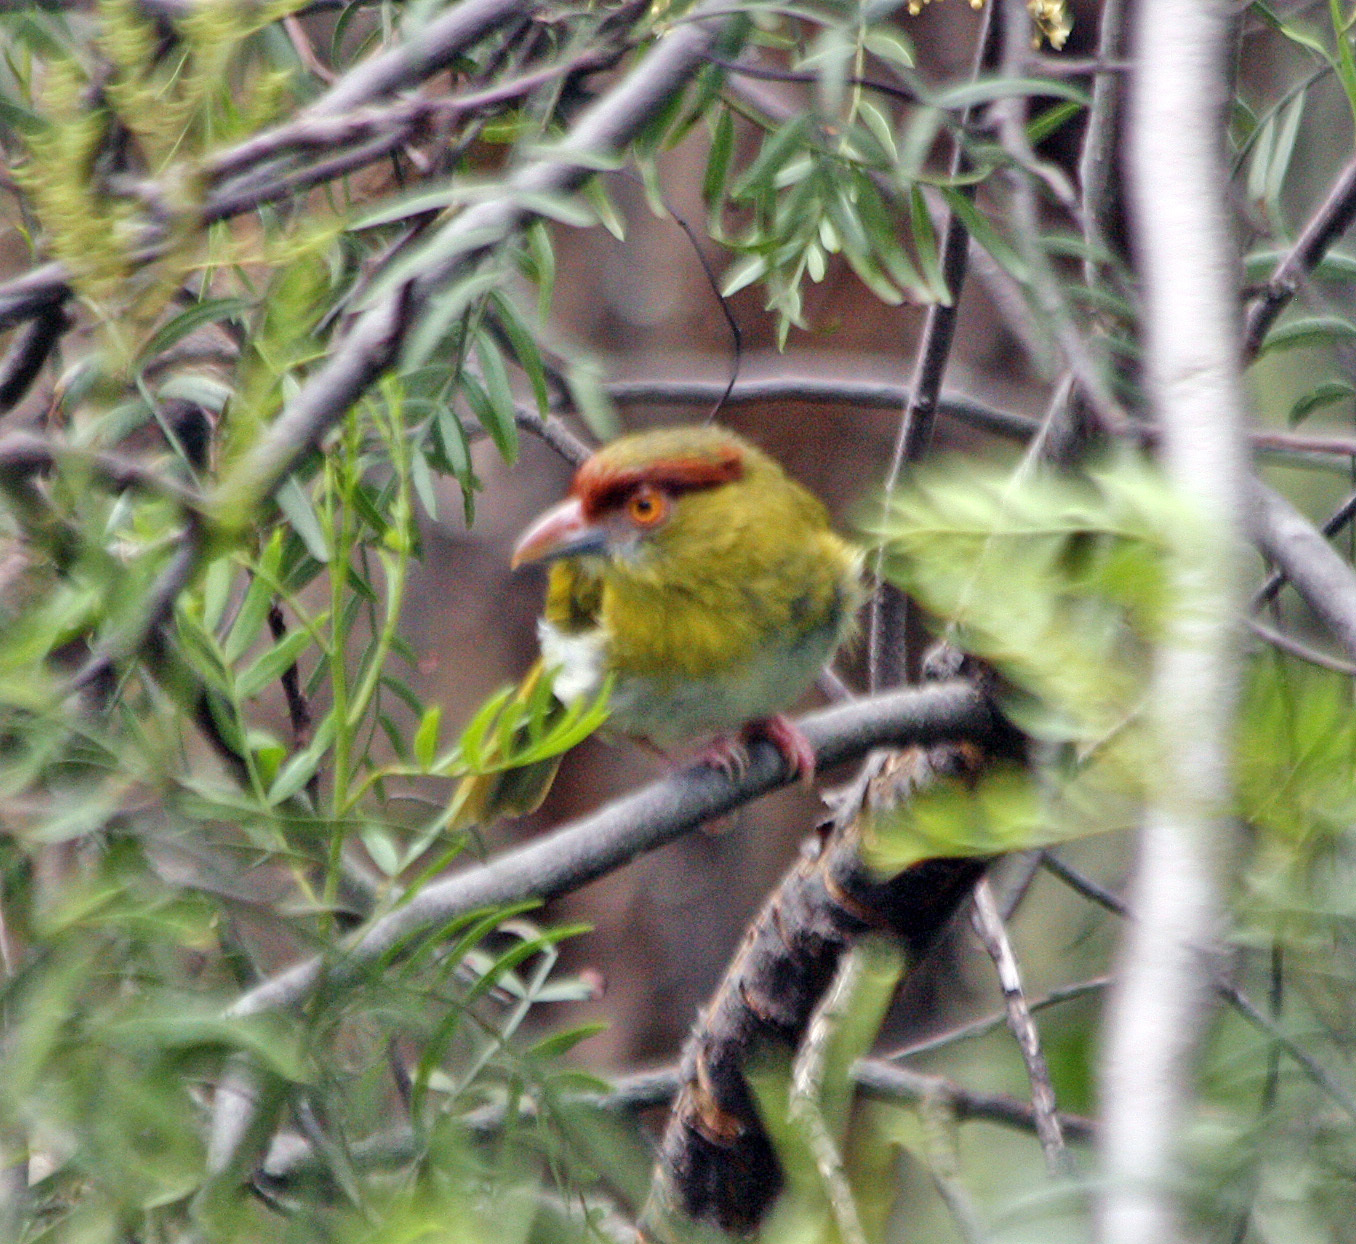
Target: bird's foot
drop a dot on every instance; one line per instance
(787, 738)
(726, 754)
(729, 753)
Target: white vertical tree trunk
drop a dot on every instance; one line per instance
(1182, 238)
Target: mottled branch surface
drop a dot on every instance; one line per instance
(717, 1165)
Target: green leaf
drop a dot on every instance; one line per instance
(1316, 330)
(422, 479)
(585, 382)
(254, 608)
(525, 349)
(301, 767)
(776, 151)
(881, 129)
(987, 90)
(890, 45)
(1040, 127)
(500, 414)
(986, 235)
(1346, 65)
(426, 736)
(272, 664)
(210, 311)
(296, 506)
(603, 209)
(925, 243)
(718, 160)
(1325, 394)
(543, 261)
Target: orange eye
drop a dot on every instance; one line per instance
(647, 506)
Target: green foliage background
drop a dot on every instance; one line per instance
(196, 794)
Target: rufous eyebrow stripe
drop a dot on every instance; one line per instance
(599, 485)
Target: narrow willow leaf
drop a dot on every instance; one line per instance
(424, 488)
(272, 664)
(1317, 330)
(776, 151)
(718, 160)
(426, 736)
(500, 415)
(986, 235)
(1326, 394)
(525, 350)
(249, 622)
(296, 506)
(212, 311)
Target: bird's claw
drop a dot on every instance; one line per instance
(790, 741)
(729, 754)
(726, 754)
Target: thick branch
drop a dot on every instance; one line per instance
(1305, 557)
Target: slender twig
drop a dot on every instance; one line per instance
(768, 73)
(1096, 160)
(882, 1079)
(885, 395)
(1083, 885)
(1333, 217)
(1297, 648)
(991, 1023)
(874, 394)
(886, 659)
(552, 432)
(31, 347)
(1301, 553)
(291, 1157)
(989, 925)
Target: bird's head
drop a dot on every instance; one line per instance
(651, 494)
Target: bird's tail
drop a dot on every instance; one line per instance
(499, 792)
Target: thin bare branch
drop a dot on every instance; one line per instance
(1298, 648)
(1339, 518)
(886, 659)
(991, 1023)
(989, 925)
(1332, 219)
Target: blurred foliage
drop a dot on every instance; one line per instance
(199, 789)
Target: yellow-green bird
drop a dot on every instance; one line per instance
(708, 585)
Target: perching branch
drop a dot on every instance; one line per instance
(1305, 557)
(588, 848)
